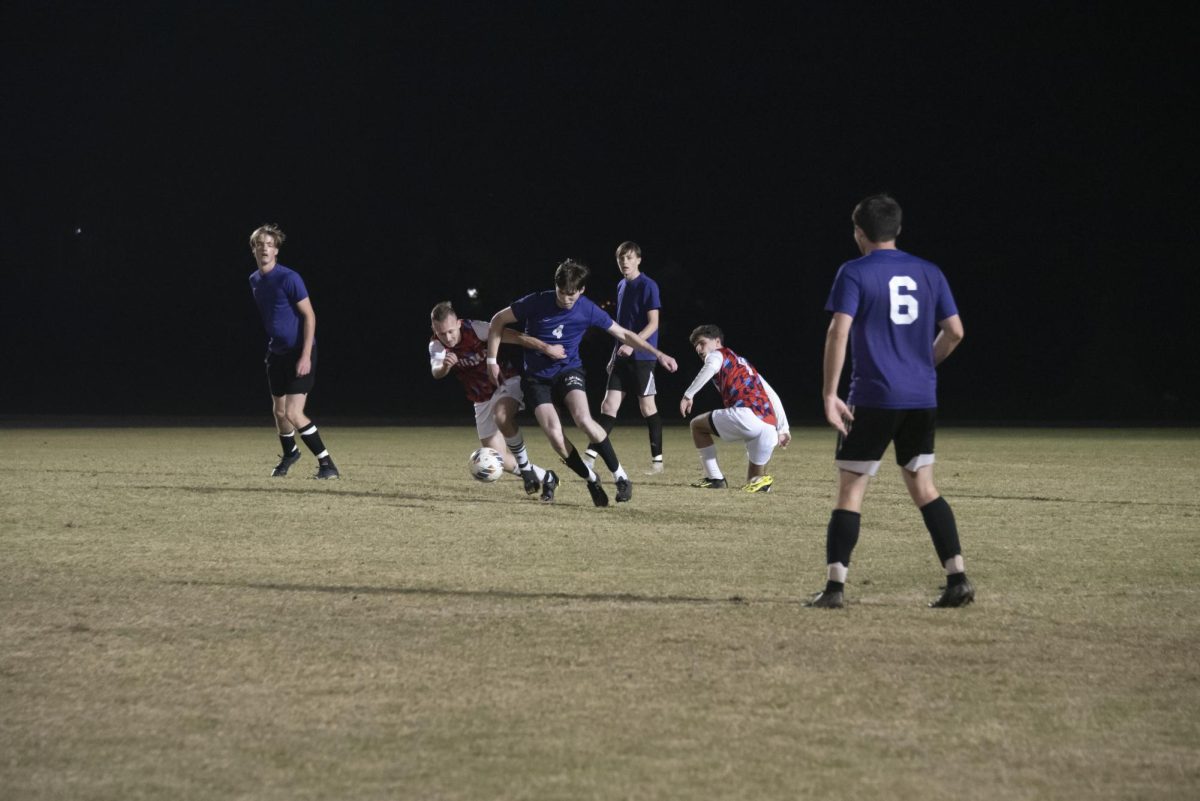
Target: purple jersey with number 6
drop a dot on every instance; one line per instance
(896, 300)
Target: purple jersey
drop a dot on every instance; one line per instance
(543, 318)
(896, 300)
(276, 293)
(634, 299)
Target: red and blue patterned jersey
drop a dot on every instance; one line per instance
(739, 385)
(471, 368)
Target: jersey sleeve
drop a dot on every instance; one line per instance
(295, 289)
(946, 306)
(653, 299)
(598, 317)
(521, 307)
(480, 328)
(712, 363)
(437, 354)
(845, 293)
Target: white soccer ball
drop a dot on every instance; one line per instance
(486, 464)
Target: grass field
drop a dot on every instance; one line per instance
(176, 625)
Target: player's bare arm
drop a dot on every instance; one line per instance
(514, 337)
(623, 334)
(495, 332)
(645, 333)
(837, 413)
(305, 309)
(948, 338)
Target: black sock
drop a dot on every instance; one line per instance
(954, 579)
(841, 536)
(313, 440)
(939, 519)
(654, 425)
(575, 462)
(607, 422)
(834, 586)
(288, 443)
(605, 449)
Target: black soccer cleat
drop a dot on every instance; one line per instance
(827, 600)
(599, 496)
(711, 483)
(327, 470)
(531, 482)
(624, 490)
(285, 464)
(955, 596)
(549, 484)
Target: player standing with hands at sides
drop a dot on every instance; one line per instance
(287, 314)
(629, 370)
(753, 413)
(561, 317)
(899, 315)
(460, 346)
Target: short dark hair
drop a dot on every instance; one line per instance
(441, 311)
(879, 217)
(708, 332)
(626, 247)
(571, 276)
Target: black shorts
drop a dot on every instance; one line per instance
(281, 374)
(634, 376)
(874, 429)
(539, 391)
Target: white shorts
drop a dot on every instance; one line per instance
(742, 425)
(485, 413)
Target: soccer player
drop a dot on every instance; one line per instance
(638, 306)
(562, 316)
(460, 347)
(287, 314)
(753, 413)
(897, 312)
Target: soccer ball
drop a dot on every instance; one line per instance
(486, 464)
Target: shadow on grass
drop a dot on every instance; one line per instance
(345, 589)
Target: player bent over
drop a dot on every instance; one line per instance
(561, 316)
(287, 314)
(753, 413)
(898, 312)
(460, 347)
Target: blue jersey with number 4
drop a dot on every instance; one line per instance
(543, 318)
(896, 300)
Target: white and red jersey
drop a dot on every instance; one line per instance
(471, 368)
(741, 386)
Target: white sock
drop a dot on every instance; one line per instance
(708, 462)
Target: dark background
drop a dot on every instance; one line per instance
(410, 151)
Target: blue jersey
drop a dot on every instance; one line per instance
(896, 300)
(634, 300)
(543, 318)
(276, 293)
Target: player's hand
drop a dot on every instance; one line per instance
(556, 352)
(838, 414)
(624, 350)
(785, 438)
(685, 406)
(450, 360)
(494, 374)
(667, 362)
(303, 366)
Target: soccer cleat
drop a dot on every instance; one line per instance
(957, 595)
(531, 482)
(624, 490)
(711, 483)
(327, 470)
(599, 496)
(760, 484)
(656, 467)
(549, 484)
(285, 464)
(827, 600)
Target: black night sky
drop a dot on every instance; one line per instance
(412, 150)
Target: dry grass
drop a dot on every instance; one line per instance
(173, 624)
